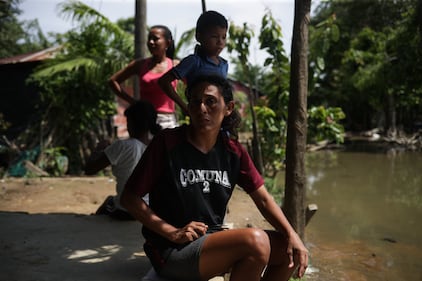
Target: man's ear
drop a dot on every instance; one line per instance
(230, 108)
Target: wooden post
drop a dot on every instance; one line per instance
(310, 212)
(295, 192)
(140, 37)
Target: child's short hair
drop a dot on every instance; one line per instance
(141, 118)
(210, 19)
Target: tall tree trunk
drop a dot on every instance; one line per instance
(391, 116)
(294, 202)
(140, 36)
(419, 16)
(256, 143)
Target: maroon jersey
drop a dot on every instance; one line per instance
(187, 185)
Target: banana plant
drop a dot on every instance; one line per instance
(76, 102)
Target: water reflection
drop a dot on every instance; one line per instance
(368, 224)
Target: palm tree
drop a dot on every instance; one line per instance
(80, 50)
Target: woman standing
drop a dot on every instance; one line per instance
(161, 46)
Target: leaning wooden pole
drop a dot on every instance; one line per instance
(204, 6)
(295, 181)
(140, 36)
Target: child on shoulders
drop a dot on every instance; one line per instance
(211, 32)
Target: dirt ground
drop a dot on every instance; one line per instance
(49, 232)
(83, 195)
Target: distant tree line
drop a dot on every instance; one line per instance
(366, 58)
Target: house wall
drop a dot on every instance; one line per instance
(17, 98)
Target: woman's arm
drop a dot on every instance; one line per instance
(141, 211)
(270, 210)
(275, 216)
(122, 75)
(144, 178)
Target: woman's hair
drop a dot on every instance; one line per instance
(141, 117)
(230, 123)
(169, 37)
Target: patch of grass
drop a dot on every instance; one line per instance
(274, 189)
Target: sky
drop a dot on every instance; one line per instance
(178, 15)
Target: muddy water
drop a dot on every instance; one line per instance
(369, 220)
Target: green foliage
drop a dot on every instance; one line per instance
(186, 39)
(10, 30)
(4, 125)
(54, 161)
(322, 36)
(240, 40)
(365, 57)
(128, 25)
(272, 113)
(323, 124)
(73, 86)
(270, 38)
(242, 103)
(276, 85)
(273, 139)
(76, 103)
(272, 187)
(18, 37)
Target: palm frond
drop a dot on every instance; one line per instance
(68, 65)
(186, 39)
(85, 15)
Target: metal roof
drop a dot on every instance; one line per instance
(34, 56)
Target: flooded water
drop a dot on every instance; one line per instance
(369, 220)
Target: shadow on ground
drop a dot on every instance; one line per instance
(64, 247)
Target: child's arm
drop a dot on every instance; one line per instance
(165, 84)
(98, 159)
